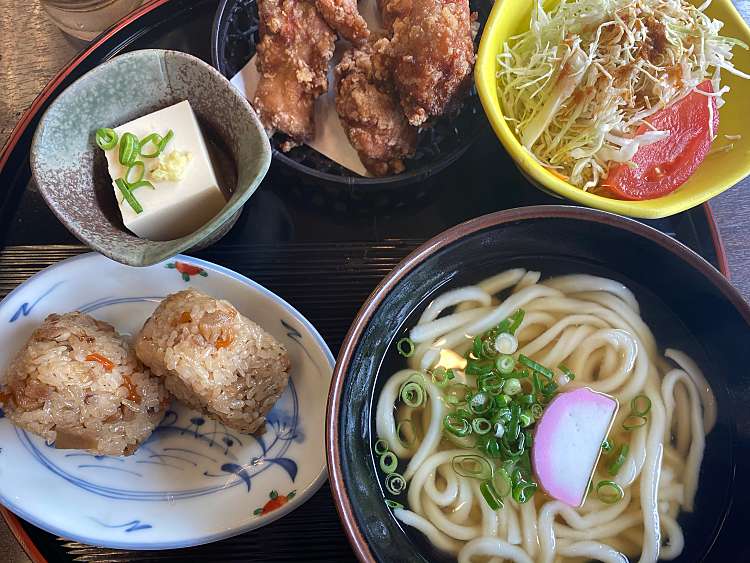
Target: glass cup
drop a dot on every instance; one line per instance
(85, 19)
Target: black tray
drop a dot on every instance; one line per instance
(322, 257)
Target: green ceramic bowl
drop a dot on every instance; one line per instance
(71, 171)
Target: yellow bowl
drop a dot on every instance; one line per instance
(718, 172)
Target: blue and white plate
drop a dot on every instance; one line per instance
(194, 481)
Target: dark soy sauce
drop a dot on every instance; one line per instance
(222, 159)
(219, 153)
(712, 499)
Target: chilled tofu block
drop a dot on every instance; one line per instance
(568, 442)
(175, 207)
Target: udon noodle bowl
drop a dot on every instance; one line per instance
(458, 427)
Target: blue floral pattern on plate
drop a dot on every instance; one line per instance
(158, 496)
(184, 441)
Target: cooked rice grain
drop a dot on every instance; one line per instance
(214, 359)
(78, 384)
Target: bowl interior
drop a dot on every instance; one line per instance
(676, 302)
(234, 43)
(71, 171)
(718, 172)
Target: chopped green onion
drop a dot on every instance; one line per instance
(633, 421)
(513, 450)
(441, 376)
(531, 364)
(526, 419)
(566, 370)
(456, 425)
(404, 424)
(537, 411)
(549, 389)
(640, 405)
(155, 139)
(529, 439)
(395, 483)
(503, 414)
(607, 445)
(163, 143)
(523, 491)
(456, 394)
(513, 427)
(488, 349)
(520, 374)
(526, 400)
(492, 447)
(516, 320)
(512, 387)
(481, 425)
(506, 343)
(388, 462)
(128, 195)
(474, 466)
(490, 495)
(505, 364)
(141, 184)
(615, 466)
(405, 347)
(492, 384)
(129, 149)
(381, 446)
(477, 347)
(106, 138)
(502, 483)
(480, 403)
(479, 367)
(412, 394)
(137, 164)
(502, 401)
(536, 382)
(609, 492)
(499, 430)
(392, 504)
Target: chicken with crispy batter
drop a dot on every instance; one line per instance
(370, 112)
(295, 48)
(390, 10)
(432, 54)
(343, 16)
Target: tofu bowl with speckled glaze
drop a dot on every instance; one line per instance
(71, 171)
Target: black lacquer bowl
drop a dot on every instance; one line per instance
(686, 302)
(235, 34)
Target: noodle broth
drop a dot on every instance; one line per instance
(713, 494)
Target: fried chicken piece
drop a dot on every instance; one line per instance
(343, 16)
(390, 10)
(295, 48)
(432, 55)
(370, 112)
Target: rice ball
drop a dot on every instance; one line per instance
(214, 359)
(79, 385)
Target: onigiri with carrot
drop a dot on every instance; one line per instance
(78, 384)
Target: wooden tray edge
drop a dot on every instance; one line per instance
(23, 538)
(14, 523)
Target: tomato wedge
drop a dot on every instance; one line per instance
(665, 165)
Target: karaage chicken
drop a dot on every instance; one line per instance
(432, 54)
(369, 110)
(344, 17)
(295, 48)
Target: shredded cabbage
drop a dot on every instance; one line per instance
(577, 85)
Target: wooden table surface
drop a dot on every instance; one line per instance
(33, 50)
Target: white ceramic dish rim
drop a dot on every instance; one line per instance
(302, 497)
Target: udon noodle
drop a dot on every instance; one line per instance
(592, 325)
